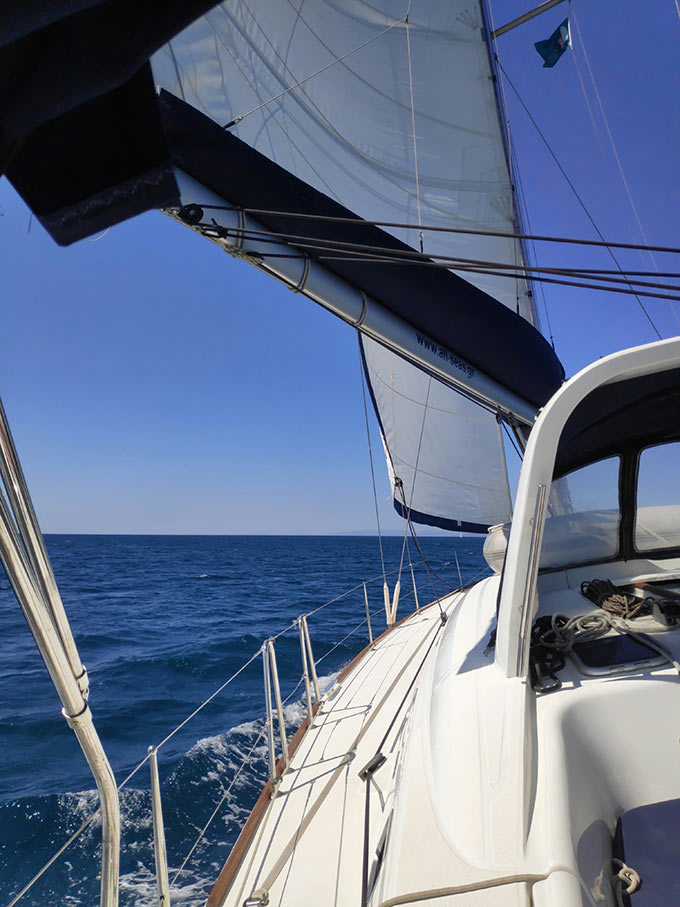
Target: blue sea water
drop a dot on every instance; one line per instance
(161, 622)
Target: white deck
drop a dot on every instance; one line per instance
(489, 795)
(316, 819)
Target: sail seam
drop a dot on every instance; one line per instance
(434, 475)
(436, 409)
(413, 128)
(339, 59)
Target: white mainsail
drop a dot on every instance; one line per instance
(332, 92)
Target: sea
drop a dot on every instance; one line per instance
(161, 623)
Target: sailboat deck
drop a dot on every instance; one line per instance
(316, 816)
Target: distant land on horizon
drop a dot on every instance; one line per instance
(365, 533)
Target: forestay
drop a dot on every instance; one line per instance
(332, 92)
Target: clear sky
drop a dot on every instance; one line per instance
(154, 384)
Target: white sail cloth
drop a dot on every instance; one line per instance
(446, 450)
(347, 131)
(330, 90)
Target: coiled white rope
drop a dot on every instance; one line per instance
(565, 631)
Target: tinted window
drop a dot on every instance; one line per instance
(583, 516)
(657, 519)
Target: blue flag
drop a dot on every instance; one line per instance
(553, 47)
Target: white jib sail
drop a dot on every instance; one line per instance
(443, 448)
(331, 91)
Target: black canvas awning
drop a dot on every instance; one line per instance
(80, 136)
(621, 416)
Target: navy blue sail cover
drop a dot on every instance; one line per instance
(448, 309)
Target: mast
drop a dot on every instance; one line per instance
(503, 122)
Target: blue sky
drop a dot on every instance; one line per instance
(154, 384)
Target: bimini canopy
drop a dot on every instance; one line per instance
(620, 417)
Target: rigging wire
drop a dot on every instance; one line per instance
(587, 101)
(512, 440)
(271, 237)
(354, 629)
(378, 760)
(413, 577)
(371, 258)
(201, 834)
(382, 255)
(87, 822)
(609, 132)
(614, 149)
(327, 218)
(431, 574)
(495, 273)
(128, 778)
(370, 455)
(312, 75)
(513, 169)
(522, 203)
(574, 190)
(399, 485)
(413, 483)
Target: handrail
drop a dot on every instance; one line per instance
(87, 822)
(310, 656)
(158, 832)
(277, 700)
(300, 624)
(305, 672)
(25, 560)
(269, 716)
(20, 501)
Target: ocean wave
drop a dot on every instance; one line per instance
(162, 622)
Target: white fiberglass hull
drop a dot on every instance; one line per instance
(489, 794)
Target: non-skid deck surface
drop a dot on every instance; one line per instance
(307, 849)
